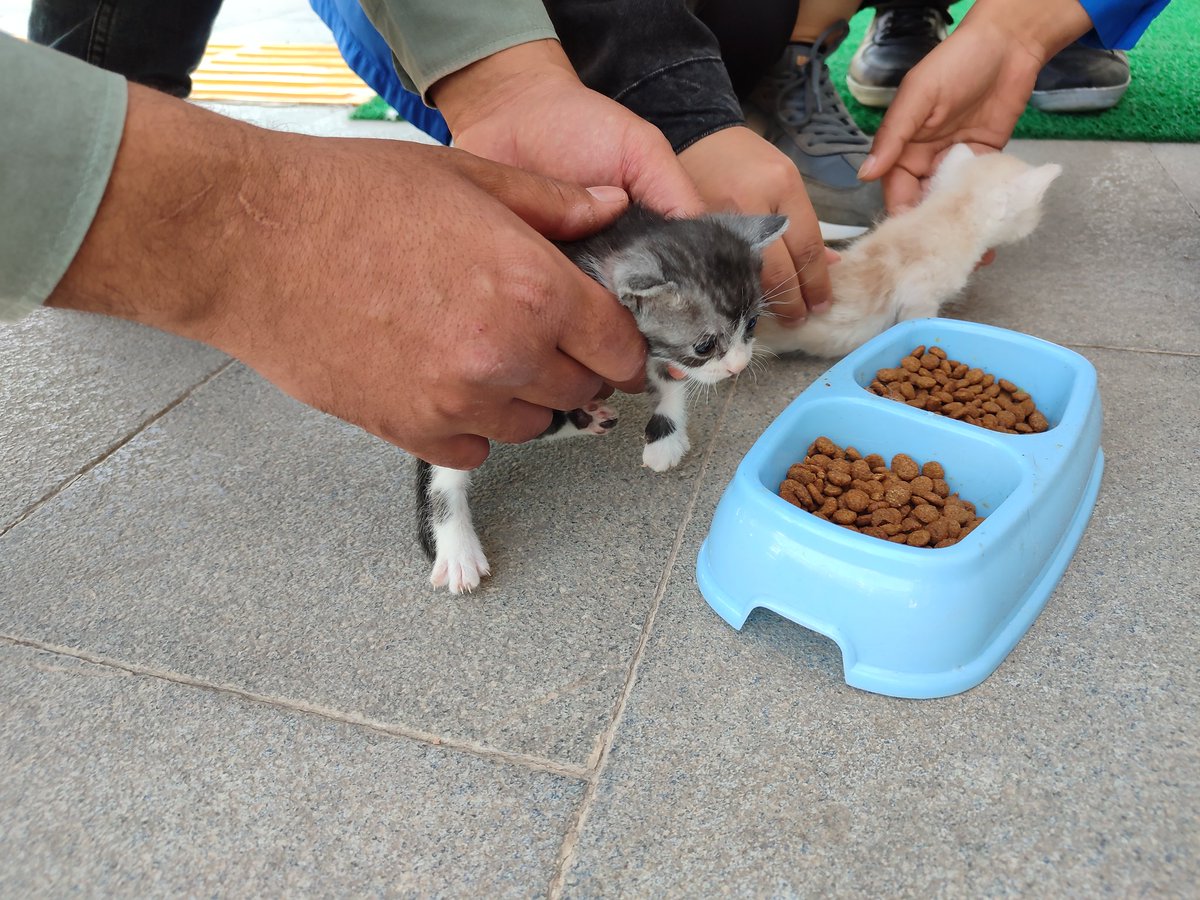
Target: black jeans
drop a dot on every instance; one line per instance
(158, 44)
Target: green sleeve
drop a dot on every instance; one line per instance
(60, 126)
(432, 38)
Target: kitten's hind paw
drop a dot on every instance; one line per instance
(665, 453)
(460, 568)
(594, 418)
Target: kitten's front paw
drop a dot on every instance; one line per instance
(665, 453)
(459, 565)
(596, 418)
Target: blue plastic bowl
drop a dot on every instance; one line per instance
(916, 622)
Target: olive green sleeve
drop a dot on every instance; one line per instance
(60, 126)
(432, 38)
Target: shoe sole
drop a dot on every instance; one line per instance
(1079, 99)
(831, 231)
(871, 95)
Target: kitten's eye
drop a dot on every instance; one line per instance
(705, 346)
(750, 324)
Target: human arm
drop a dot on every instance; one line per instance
(659, 60)
(403, 288)
(970, 89)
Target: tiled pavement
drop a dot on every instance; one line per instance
(224, 673)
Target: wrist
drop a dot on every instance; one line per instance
(475, 91)
(1041, 27)
(155, 251)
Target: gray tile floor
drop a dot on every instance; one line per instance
(223, 672)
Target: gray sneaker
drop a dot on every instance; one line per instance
(797, 108)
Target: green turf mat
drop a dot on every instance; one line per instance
(1162, 103)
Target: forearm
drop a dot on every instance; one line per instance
(178, 201)
(653, 56)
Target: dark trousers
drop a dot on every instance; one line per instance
(158, 44)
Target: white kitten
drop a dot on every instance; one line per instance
(914, 262)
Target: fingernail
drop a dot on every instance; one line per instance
(868, 166)
(608, 194)
(821, 307)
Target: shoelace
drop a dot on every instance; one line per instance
(819, 107)
(910, 21)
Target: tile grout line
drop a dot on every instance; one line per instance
(111, 449)
(1171, 178)
(1186, 354)
(527, 761)
(570, 842)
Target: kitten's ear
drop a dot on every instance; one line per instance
(1031, 186)
(637, 277)
(757, 231)
(955, 158)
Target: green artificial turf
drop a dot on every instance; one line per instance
(1162, 103)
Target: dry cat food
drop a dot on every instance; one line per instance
(904, 504)
(928, 380)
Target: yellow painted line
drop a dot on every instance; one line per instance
(279, 73)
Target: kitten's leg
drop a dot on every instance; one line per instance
(445, 529)
(666, 432)
(593, 418)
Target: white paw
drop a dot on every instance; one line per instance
(459, 565)
(666, 453)
(604, 418)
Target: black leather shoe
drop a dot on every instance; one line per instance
(1081, 79)
(899, 37)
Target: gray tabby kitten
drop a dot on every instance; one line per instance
(693, 286)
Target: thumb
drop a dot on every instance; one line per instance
(904, 118)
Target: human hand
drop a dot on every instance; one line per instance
(735, 169)
(971, 89)
(526, 107)
(403, 288)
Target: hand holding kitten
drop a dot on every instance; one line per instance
(403, 288)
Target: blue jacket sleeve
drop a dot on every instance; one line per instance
(1117, 24)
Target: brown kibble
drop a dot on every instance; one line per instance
(825, 446)
(954, 410)
(948, 542)
(1038, 422)
(910, 364)
(919, 352)
(938, 352)
(877, 387)
(922, 484)
(886, 516)
(960, 369)
(1019, 396)
(899, 503)
(924, 382)
(973, 376)
(1006, 385)
(929, 361)
(887, 376)
(1006, 419)
(908, 390)
(905, 466)
(925, 513)
(918, 538)
(839, 479)
(1022, 428)
(856, 500)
